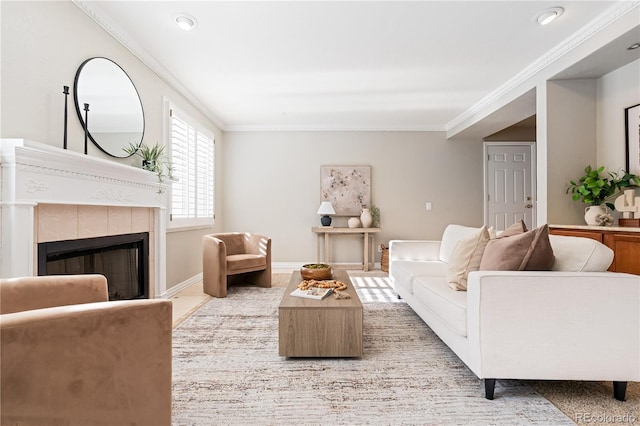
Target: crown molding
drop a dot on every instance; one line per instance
(320, 128)
(110, 26)
(614, 13)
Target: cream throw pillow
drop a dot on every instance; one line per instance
(465, 258)
(492, 232)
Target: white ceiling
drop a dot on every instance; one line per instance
(383, 65)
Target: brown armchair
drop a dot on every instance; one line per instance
(235, 255)
(69, 356)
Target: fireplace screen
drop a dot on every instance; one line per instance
(123, 259)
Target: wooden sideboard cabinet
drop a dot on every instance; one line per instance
(625, 243)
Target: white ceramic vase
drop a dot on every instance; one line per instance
(591, 212)
(366, 218)
(353, 222)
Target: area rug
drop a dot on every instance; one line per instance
(226, 370)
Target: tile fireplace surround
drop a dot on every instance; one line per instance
(52, 194)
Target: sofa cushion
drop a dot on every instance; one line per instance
(449, 305)
(529, 251)
(405, 270)
(452, 234)
(466, 257)
(238, 262)
(577, 254)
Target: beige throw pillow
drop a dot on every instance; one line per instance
(492, 232)
(529, 251)
(466, 257)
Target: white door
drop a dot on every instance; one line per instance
(509, 184)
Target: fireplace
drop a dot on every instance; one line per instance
(52, 195)
(123, 259)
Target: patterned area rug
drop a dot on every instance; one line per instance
(226, 370)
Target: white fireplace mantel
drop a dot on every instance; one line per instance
(33, 173)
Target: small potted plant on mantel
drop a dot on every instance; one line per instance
(595, 188)
(153, 158)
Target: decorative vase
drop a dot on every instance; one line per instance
(353, 222)
(591, 213)
(366, 218)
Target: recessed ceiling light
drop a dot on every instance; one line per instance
(633, 46)
(549, 15)
(186, 22)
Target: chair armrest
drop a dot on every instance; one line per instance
(97, 363)
(414, 250)
(214, 256)
(554, 325)
(23, 294)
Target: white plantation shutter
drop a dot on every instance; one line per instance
(192, 158)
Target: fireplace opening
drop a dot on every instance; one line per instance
(123, 259)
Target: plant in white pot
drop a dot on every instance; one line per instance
(595, 188)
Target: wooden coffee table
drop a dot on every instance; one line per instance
(320, 328)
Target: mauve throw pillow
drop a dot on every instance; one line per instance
(517, 228)
(529, 251)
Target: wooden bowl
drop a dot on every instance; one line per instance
(316, 271)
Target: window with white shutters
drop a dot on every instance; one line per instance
(192, 160)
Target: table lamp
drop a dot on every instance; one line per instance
(326, 208)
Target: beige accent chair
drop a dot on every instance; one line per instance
(71, 357)
(235, 256)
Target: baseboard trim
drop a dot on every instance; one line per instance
(172, 291)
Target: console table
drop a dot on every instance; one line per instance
(624, 241)
(367, 233)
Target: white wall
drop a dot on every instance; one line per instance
(271, 182)
(583, 123)
(616, 91)
(42, 45)
(570, 143)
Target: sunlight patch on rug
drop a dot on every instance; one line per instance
(374, 289)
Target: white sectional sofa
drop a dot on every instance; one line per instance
(575, 322)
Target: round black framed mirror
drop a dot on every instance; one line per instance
(115, 116)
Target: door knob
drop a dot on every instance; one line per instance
(528, 206)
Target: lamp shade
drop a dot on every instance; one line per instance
(326, 208)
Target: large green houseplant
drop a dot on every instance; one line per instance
(597, 187)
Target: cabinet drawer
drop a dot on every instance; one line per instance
(626, 249)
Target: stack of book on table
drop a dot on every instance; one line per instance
(316, 293)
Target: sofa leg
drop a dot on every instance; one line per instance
(489, 387)
(398, 296)
(619, 390)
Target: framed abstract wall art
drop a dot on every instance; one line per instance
(347, 187)
(632, 134)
